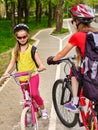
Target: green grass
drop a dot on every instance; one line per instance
(32, 24)
(7, 40)
(64, 30)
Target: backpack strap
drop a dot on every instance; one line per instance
(17, 65)
(33, 51)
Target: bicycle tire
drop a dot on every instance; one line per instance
(67, 67)
(23, 124)
(68, 118)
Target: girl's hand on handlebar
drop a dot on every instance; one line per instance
(5, 75)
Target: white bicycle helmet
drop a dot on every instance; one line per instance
(21, 26)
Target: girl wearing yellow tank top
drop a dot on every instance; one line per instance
(22, 55)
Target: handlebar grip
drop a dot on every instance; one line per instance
(21, 74)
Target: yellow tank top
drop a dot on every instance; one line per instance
(25, 62)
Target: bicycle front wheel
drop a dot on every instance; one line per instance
(60, 95)
(24, 125)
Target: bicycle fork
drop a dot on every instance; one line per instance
(65, 84)
(33, 115)
(29, 102)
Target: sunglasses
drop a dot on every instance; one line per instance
(23, 37)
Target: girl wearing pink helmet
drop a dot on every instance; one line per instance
(82, 16)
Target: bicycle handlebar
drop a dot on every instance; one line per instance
(19, 74)
(68, 59)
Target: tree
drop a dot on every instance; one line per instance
(53, 9)
(13, 13)
(26, 10)
(23, 10)
(38, 11)
(50, 14)
(59, 15)
(6, 7)
(2, 9)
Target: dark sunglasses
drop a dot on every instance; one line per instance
(24, 37)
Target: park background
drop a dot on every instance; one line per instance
(37, 14)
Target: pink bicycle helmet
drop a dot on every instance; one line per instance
(83, 13)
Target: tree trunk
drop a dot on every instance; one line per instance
(53, 13)
(50, 14)
(19, 11)
(59, 15)
(6, 6)
(13, 14)
(38, 11)
(26, 10)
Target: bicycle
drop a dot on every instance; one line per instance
(30, 106)
(62, 93)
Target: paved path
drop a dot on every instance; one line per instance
(10, 94)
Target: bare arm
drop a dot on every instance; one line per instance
(39, 62)
(63, 52)
(10, 66)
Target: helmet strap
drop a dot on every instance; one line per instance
(22, 44)
(77, 25)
